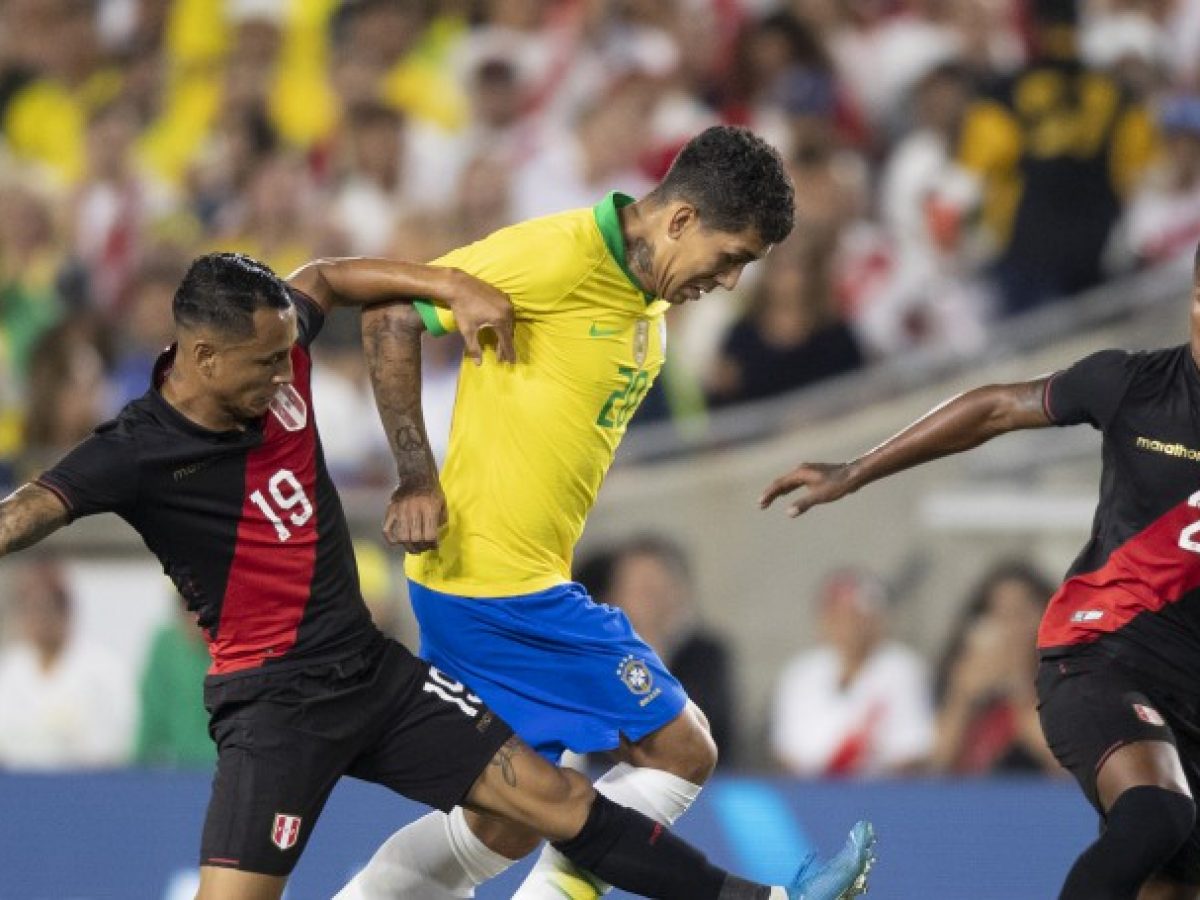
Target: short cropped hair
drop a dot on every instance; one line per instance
(735, 180)
(222, 291)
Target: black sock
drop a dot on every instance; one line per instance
(1143, 830)
(636, 854)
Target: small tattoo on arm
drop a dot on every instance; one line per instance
(504, 760)
(408, 439)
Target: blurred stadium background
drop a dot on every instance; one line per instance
(967, 212)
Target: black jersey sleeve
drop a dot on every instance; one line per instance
(1091, 390)
(99, 475)
(309, 315)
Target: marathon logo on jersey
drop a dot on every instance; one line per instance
(1148, 714)
(286, 831)
(289, 408)
(1087, 615)
(638, 678)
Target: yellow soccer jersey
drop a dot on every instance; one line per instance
(531, 442)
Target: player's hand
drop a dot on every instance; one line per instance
(824, 483)
(414, 517)
(477, 305)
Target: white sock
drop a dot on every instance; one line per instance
(437, 857)
(660, 795)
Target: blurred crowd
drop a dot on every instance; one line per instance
(856, 704)
(957, 161)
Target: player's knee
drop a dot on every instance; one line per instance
(699, 757)
(1158, 819)
(502, 836)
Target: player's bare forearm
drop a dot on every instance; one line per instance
(361, 281)
(961, 423)
(392, 345)
(28, 515)
(364, 282)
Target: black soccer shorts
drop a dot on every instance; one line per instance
(1091, 706)
(284, 738)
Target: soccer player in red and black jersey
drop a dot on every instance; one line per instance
(219, 468)
(1119, 680)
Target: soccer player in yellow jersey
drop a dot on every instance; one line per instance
(490, 541)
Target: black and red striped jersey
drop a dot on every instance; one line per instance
(1134, 590)
(247, 524)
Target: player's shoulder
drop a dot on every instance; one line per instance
(568, 239)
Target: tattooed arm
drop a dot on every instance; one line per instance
(28, 515)
(392, 344)
(959, 424)
(356, 281)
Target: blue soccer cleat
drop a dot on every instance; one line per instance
(841, 878)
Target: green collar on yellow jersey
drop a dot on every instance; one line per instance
(609, 222)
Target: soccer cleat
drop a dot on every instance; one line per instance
(844, 876)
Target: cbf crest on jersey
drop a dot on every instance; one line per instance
(641, 341)
(289, 408)
(636, 675)
(286, 831)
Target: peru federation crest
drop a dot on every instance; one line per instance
(636, 675)
(289, 408)
(286, 831)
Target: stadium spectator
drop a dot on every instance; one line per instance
(173, 725)
(146, 322)
(651, 580)
(987, 710)
(228, 125)
(370, 201)
(68, 391)
(602, 153)
(1164, 219)
(791, 336)
(111, 207)
(1058, 150)
(858, 704)
(30, 259)
(64, 702)
(928, 203)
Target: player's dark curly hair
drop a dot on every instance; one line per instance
(735, 179)
(222, 291)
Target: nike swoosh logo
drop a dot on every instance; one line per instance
(597, 331)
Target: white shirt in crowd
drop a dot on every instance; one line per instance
(80, 714)
(879, 722)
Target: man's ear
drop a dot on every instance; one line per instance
(204, 355)
(682, 218)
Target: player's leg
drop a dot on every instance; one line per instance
(659, 775)
(632, 851)
(1179, 879)
(1115, 740)
(1166, 889)
(1148, 814)
(283, 741)
(218, 883)
(618, 686)
(493, 773)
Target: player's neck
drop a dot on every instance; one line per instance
(636, 228)
(190, 400)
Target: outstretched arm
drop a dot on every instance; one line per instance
(964, 422)
(392, 344)
(355, 281)
(28, 515)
